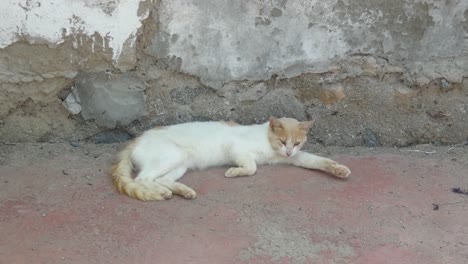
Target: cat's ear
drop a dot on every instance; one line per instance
(274, 122)
(306, 125)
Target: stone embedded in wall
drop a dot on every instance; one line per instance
(445, 85)
(243, 91)
(208, 107)
(72, 103)
(369, 139)
(404, 93)
(277, 102)
(185, 96)
(154, 72)
(331, 94)
(111, 100)
(254, 93)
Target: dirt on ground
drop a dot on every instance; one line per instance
(58, 205)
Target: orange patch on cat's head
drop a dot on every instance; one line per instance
(288, 135)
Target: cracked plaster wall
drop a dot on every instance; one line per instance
(385, 72)
(221, 40)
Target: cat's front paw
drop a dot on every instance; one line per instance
(165, 193)
(232, 172)
(340, 171)
(188, 193)
(240, 171)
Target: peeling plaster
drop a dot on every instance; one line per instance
(50, 21)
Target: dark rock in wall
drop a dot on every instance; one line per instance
(111, 99)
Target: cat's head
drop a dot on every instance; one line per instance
(287, 135)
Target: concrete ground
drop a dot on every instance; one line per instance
(58, 205)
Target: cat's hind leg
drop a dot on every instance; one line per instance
(151, 171)
(153, 167)
(160, 191)
(170, 181)
(150, 174)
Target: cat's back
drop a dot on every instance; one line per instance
(205, 143)
(207, 130)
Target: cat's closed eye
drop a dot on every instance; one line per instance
(297, 143)
(283, 142)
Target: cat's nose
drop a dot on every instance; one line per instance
(288, 153)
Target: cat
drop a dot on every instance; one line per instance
(164, 154)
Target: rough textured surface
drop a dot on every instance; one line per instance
(111, 100)
(51, 21)
(397, 69)
(220, 41)
(58, 205)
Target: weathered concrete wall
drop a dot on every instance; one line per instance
(374, 72)
(51, 21)
(220, 41)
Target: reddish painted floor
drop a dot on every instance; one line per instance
(57, 205)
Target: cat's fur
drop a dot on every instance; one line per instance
(164, 154)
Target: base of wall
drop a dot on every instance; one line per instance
(376, 107)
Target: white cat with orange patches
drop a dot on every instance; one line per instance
(163, 155)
